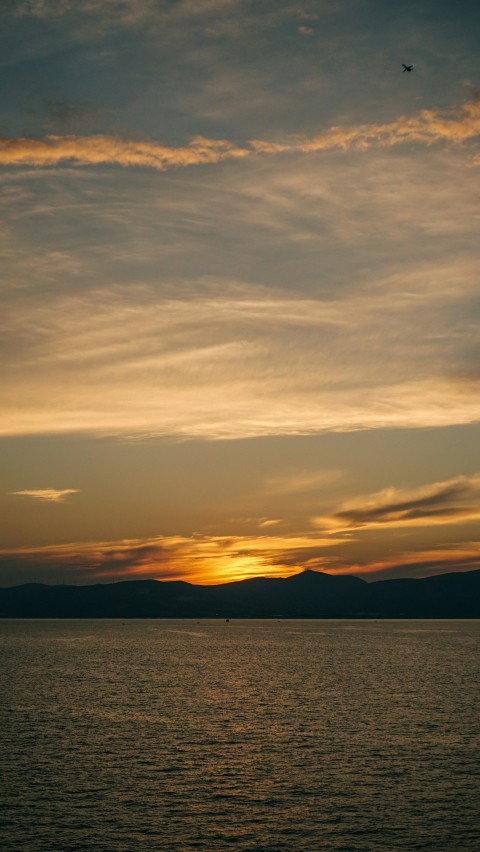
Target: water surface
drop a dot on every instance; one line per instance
(250, 735)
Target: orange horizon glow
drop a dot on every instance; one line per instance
(215, 560)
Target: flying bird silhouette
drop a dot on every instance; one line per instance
(407, 67)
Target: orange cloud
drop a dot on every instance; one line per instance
(421, 563)
(95, 150)
(198, 559)
(208, 560)
(427, 127)
(455, 501)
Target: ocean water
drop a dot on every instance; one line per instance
(247, 735)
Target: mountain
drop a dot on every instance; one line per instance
(310, 594)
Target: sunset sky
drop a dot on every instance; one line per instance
(240, 289)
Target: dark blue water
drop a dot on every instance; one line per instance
(248, 735)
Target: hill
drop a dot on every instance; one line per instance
(310, 594)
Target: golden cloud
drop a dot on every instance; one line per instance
(198, 559)
(427, 127)
(209, 560)
(455, 501)
(49, 495)
(214, 365)
(96, 150)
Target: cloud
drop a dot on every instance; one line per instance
(198, 559)
(304, 14)
(95, 150)
(306, 31)
(301, 481)
(428, 127)
(207, 560)
(427, 562)
(124, 12)
(456, 501)
(50, 495)
(227, 360)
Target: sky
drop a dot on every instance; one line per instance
(240, 289)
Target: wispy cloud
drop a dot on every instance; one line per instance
(95, 150)
(301, 481)
(49, 495)
(209, 560)
(427, 127)
(199, 559)
(241, 361)
(455, 501)
(123, 11)
(424, 562)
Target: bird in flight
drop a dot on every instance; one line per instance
(407, 67)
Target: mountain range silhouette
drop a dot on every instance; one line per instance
(309, 594)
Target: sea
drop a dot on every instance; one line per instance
(184, 735)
